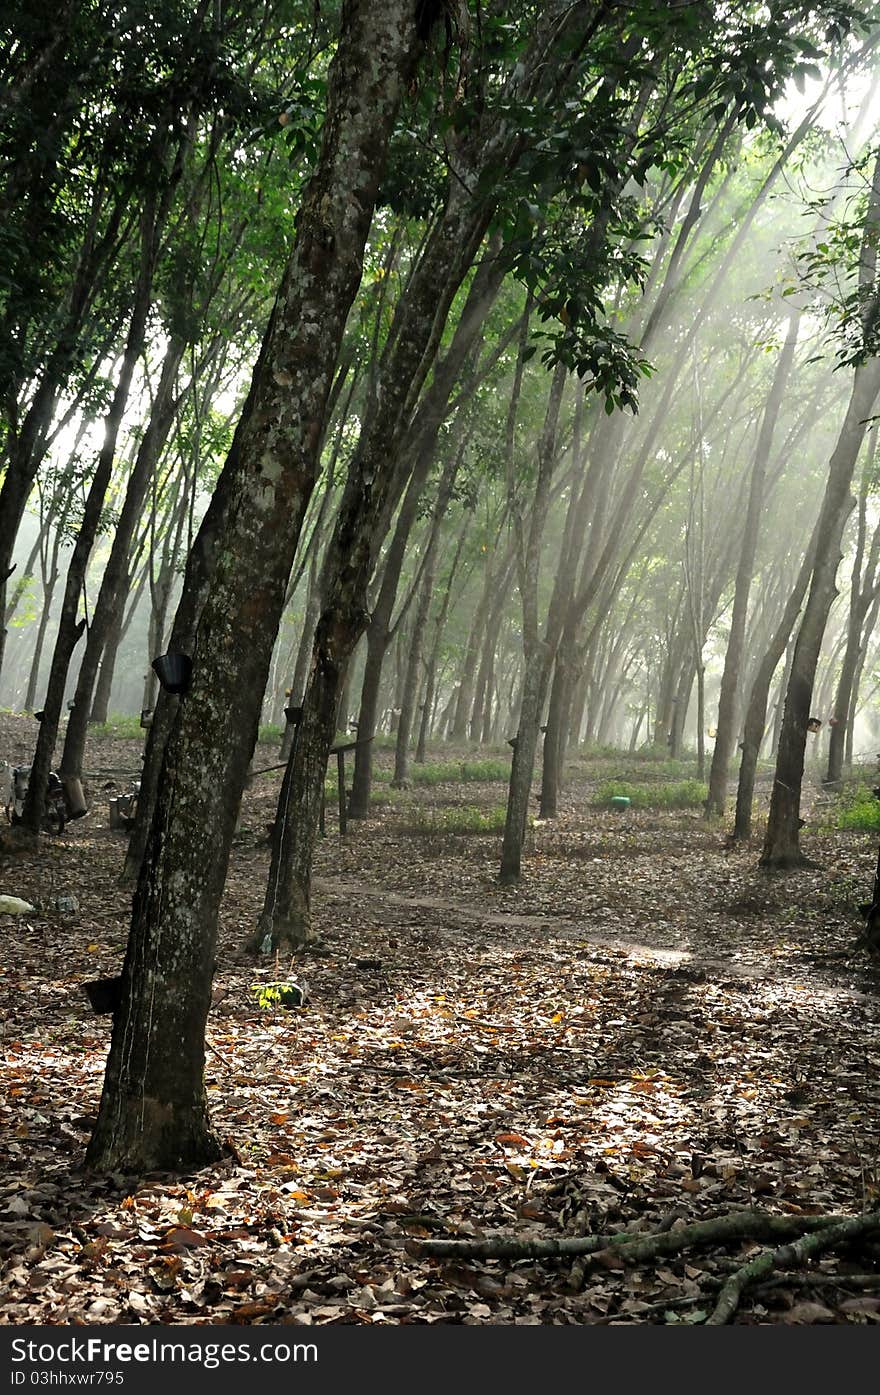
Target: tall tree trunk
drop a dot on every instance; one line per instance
(772, 747)
(313, 590)
(379, 636)
(863, 589)
(487, 664)
(49, 583)
(465, 694)
(69, 629)
(153, 1112)
(303, 653)
(557, 725)
(108, 606)
(431, 670)
(100, 709)
(726, 732)
(416, 639)
(538, 651)
(411, 679)
(782, 843)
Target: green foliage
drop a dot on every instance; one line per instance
(460, 772)
(466, 818)
(679, 794)
(271, 996)
(858, 810)
(120, 726)
(270, 734)
(640, 766)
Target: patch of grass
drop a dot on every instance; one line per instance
(645, 755)
(123, 726)
(632, 765)
(679, 794)
(270, 734)
(459, 772)
(858, 810)
(465, 818)
(377, 796)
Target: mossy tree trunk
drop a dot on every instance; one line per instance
(153, 1112)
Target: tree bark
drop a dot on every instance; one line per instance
(431, 669)
(863, 591)
(537, 651)
(153, 1112)
(111, 594)
(100, 708)
(380, 633)
(416, 639)
(725, 730)
(782, 843)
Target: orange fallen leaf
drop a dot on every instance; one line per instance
(181, 1237)
(245, 1312)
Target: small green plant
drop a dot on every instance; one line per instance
(680, 794)
(271, 996)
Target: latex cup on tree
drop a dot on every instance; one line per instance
(173, 671)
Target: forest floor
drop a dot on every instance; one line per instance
(647, 1031)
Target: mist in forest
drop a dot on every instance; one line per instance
(743, 243)
(492, 382)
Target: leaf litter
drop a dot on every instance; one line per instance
(645, 1033)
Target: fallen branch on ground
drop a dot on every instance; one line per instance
(804, 1237)
(786, 1255)
(635, 1247)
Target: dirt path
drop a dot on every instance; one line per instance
(581, 933)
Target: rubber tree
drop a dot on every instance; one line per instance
(481, 156)
(864, 589)
(733, 657)
(424, 434)
(70, 629)
(538, 648)
(425, 581)
(782, 842)
(153, 1111)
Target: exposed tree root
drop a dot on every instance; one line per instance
(763, 1264)
(804, 1237)
(635, 1247)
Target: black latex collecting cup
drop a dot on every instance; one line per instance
(173, 671)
